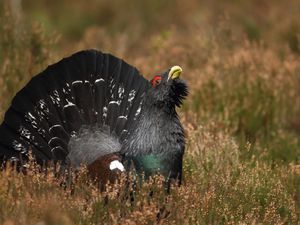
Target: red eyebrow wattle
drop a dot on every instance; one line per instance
(156, 78)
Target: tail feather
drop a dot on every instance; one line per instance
(88, 88)
(14, 146)
(60, 132)
(99, 100)
(28, 130)
(72, 118)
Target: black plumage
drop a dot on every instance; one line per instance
(156, 139)
(93, 104)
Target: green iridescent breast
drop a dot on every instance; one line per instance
(150, 164)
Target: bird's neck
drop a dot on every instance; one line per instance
(152, 132)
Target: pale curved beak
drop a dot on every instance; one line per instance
(175, 72)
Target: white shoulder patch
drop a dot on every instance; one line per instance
(116, 164)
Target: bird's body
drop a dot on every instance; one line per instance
(91, 108)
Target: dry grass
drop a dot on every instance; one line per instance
(241, 60)
(218, 188)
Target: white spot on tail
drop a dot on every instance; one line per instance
(42, 105)
(52, 140)
(55, 98)
(41, 109)
(13, 159)
(24, 132)
(121, 91)
(29, 117)
(131, 96)
(99, 80)
(104, 111)
(138, 111)
(77, 82)
(87, 82)
(56, 125)
(18, 146)
(116, 164)
(69, 104)
(115, 102)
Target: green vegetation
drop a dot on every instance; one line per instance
(241, 60)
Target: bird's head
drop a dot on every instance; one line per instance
(167, 88)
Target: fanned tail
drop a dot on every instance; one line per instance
(88, 88)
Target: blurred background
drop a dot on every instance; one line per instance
(241, 60)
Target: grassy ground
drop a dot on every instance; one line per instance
(241, 60)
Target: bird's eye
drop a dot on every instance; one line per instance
(156, 81)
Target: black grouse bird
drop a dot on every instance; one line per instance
(93, 108)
